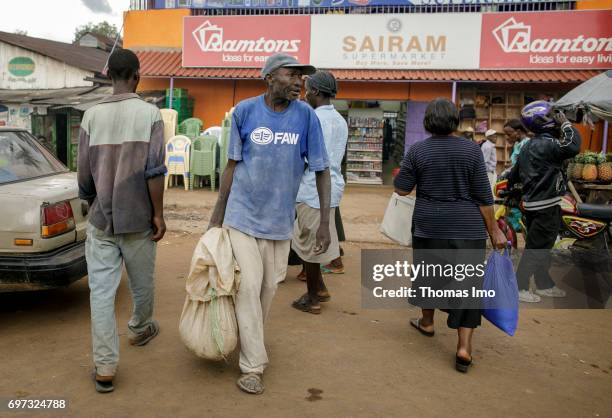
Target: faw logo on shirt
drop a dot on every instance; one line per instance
(265, 136)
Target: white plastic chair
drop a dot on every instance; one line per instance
(214, 131)
(177, 159)
(170, 118)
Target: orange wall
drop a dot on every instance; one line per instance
(594, 4)
(154, 28)
(215, 97)
(393, 91)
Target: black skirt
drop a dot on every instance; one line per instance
(457, 318)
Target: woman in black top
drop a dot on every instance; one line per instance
(453, 210)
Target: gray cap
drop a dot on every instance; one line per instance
(277, 61)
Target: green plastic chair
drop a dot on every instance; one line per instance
(190, 127)
(226, 128)
(203, 160)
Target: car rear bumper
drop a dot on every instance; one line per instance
(21, 272)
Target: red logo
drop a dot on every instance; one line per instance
(580, 39)
(245, 41)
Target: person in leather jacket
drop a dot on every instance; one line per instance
(539, 170)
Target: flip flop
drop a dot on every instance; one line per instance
(462, 365)
(416, 323)
(102, 387)
(251, 383)
(303, 304)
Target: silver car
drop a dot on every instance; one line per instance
(42, 219)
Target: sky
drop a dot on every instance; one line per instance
(57, 19)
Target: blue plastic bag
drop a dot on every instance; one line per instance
(501, 310)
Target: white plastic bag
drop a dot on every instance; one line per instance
(208, 322)
(397, 223)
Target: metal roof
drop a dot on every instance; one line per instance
(167, 63)
(90, 59)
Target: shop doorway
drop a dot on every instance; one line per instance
(61, 137)
(377, 132)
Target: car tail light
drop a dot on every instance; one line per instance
(57, 219)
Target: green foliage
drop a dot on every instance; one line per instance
(103, 28)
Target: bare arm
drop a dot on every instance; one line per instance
(156, 192)
(498, 239)
(324, 191)
(227, 178)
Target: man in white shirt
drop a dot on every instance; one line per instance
(321, 87)
(490, 155)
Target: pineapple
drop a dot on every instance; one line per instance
(605, 167)
(578, 165)
(589, 171)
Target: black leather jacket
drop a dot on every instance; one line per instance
(539, 167)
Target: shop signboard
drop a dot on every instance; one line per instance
(547, 40)
(21, 66)
(243, 41)
(286, 4)
(396, 41)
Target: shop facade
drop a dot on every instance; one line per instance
(388, 66)
(43, 87)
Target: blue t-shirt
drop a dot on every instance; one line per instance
(271, 148)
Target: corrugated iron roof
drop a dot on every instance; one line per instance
(168, 64)
(90, 59)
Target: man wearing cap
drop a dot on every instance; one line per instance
(490, 155)
(321, 87)
(272, 136)
(468, 133)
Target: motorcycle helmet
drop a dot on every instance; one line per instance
(537, 116)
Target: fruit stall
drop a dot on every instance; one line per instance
(591, 175)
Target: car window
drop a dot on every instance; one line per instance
(22, 158)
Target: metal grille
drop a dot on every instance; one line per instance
(403, 9)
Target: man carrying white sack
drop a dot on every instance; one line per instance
(271, 137)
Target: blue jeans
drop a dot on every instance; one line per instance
(105, 256)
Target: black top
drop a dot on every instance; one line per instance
(451, 180)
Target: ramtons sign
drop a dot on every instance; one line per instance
(513, 36)
(243, 41)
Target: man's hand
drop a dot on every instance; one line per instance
(498, 239)
(323, 239)
(559, 118)
(159, 228)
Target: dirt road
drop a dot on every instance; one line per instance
(346, 362)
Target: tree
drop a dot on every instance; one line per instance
(103, 28)
(20, 32)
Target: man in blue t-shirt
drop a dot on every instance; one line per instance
(272, 136)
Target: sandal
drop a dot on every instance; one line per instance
(324, 296)
(462, 365)
(303, 304)
(251, 383)
(416, 323)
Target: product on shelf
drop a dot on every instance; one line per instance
(364, 150)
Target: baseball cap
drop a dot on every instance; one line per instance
(490, 132)
(277, 61)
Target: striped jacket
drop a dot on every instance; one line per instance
(121, 146)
